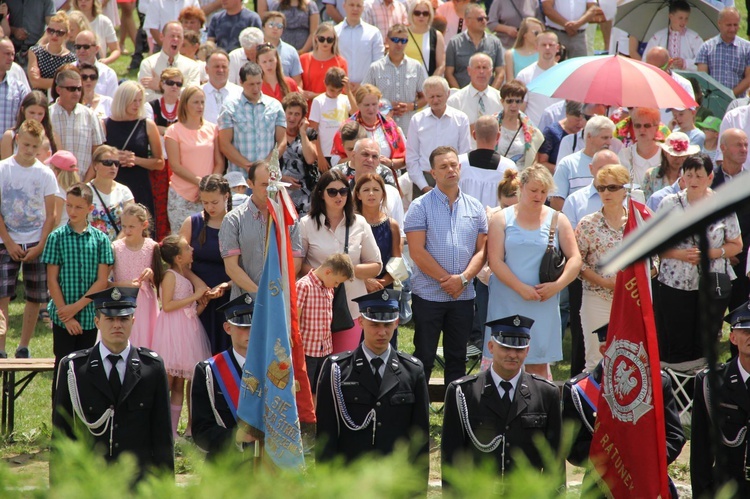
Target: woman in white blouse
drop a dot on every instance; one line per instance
(645, 153)
(323, 232)
(676, 297)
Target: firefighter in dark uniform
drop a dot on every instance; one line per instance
(732, 403)
(498, 411)
(116, 391)
(374, 396)
(580, 399)
(217, 381)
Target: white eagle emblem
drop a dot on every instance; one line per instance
(624, 379)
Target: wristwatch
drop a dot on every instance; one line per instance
(464, 281)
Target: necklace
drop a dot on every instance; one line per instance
(59, 52)
(171, 117)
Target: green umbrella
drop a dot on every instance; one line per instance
(716, 97)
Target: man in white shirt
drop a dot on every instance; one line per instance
(152, 66)
(250, 38)
(478, 98)
(569, 19)
(738, 118)
(547, 45)
(161, 12)
(437, 125)
(681, 43)
(86, 50)
(218, 89)
(385, 13)
(360, 43)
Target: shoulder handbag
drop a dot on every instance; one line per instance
(553, 261)
(106, 210)
(720, 284)
(342, 318)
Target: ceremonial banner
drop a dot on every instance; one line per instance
(629, 450)
(267, 407)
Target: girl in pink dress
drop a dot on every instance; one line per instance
(180, 338)
(134, 257)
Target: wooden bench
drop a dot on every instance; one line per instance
(436, 390)
(12, 388)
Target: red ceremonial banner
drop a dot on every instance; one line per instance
(629, 447)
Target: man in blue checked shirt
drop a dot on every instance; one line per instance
(250, 124)
(447, 231)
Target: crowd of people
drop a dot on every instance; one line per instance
(406, 136)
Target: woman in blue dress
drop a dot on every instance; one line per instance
(516, 242)
(202, 231)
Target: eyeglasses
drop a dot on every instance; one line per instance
(482, 18)
(110, 162)
(638, 126)
(513, 101)
(610, 188)
(90, 77)
(58, 32)
(402, 41)
(275, 25)
(326, 39)
(341, 192)
(421, 13)
(172, 83)
(71, 88)
(82, 46)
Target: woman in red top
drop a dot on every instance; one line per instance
(275, 84)
(324, 55)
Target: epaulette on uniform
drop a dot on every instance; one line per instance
(465, 379)
(578, 377)
(80, 354)
(410, 358)
(341, 356)
(539, 378)
(148, 354)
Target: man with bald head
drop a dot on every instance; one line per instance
(739, 120)
(583, 202)
(86, 49)
(733, 146)
(659, 57)
(726, 56)
(472, 41)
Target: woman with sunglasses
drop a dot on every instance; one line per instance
(302, 19)
(164, 111)
(100, 104)
(45, 59)
(524, 52)
(324, 231)
(426, 44)
(110, 197)
(275, 83)
(645, 153)
(137, 139)
(324, 55)
(676, 296)
(519, 138)
(597, 234)
(102, 26)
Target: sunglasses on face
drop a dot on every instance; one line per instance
(402, 41)
(513, 101)
(89, 77)
(110, 162)
(638, 126)
(275, 25)
(326, 39)
(72, 89)
(82, 46)
(610, 188)
(483, 18)
(341, 192)
(172, 83)
(58, 32)
(421, 13)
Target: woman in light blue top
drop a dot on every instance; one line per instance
(524, 51)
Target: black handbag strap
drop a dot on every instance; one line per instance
(106, 210)
(552, 230)
(346, 240)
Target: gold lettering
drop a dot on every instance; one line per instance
(274, 287)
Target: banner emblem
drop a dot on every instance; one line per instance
(627, 385)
